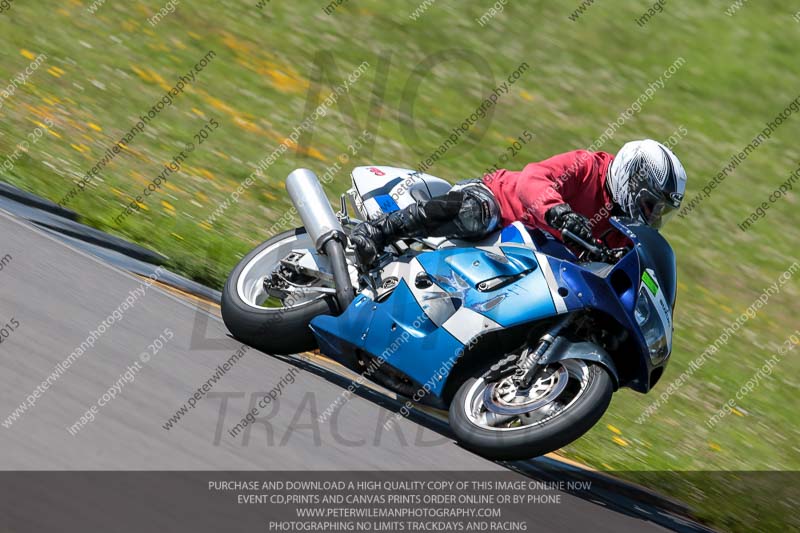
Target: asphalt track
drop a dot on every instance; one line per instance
(58, 295)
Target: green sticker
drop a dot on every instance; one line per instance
(650, 282)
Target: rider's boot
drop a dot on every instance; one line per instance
(465, 212)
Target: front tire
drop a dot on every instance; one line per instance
(567, 411)
(280, 330)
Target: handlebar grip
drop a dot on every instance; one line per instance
(591, 248)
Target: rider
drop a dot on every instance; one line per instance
(577, 191)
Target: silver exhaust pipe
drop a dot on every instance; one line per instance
(323, 227)
(315, 211)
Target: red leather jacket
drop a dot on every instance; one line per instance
(577, 178)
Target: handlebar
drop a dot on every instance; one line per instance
(601, 252)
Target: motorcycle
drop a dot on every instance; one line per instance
(522, 338)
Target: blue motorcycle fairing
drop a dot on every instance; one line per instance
(459, 271)
(586, 290)
(399, 330)
(472, 265)
(515, 232)
(396, 330)
(613, 293)
(537, 239)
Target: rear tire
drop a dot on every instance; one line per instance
(278, 330)
(526, 442)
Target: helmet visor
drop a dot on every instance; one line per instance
(655, 209)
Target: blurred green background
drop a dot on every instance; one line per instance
(274, 64)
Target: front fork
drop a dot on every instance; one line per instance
(528, 363)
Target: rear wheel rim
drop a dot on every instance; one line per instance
(250, 282)
(554, 391)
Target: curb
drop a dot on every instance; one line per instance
(31, 200)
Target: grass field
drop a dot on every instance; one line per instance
(272, 66)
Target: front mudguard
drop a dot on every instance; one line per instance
(563, 348)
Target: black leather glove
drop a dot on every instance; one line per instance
(367, 240)
(562, 217)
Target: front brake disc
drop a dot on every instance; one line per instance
(522, 401)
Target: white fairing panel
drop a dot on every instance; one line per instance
(380, 190)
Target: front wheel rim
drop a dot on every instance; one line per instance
(496, 407)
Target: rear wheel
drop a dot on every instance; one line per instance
(273, 324)
(495, 418)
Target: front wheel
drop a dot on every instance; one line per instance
(494, 418)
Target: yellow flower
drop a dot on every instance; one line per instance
(55, 71)
(526, 95)
(206, 173)
(246, 125)
(621, 442)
